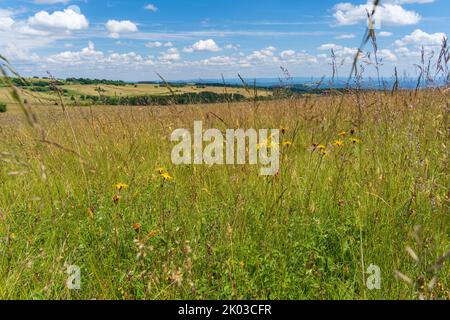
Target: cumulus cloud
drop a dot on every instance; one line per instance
(115, 27)
(75, 57)
(203, 45)
(92, 57)
(219, 61)
(6, 20)
(387, 55)
(14, 52)
(293, 57)
(287, 54)
(170, 56)
(387, 14)
(263, 55)
(69, 19)
(421, 38)
(151, 7)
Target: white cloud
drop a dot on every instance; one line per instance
(203, 45)
(115, 27)
(329, 46)
(346, 36)
(151, 7)
(387, 14)
(387, 55)
(155, 44)
(293, 57)
(170, 55)
(14, 52)
(421, 38)
(76, 57)
(232, 46)
(29, 31)
(287, 54)
(263, 55)
(384, 34)
(6, 20)
(68, 19)
(219, 61)
(91, 57)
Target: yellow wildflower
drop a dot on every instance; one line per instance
(342, 134)
(287, 143)
(322, 149)
(283, 130)
(166, 177)
(338, 143)
(120, 186)
(355, 141)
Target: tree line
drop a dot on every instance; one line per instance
(149, 100)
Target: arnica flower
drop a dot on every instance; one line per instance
(166, 177)
(342, 134)
(120, 186)
(338, 143)
(322, 149)
(287, 143)
(116, 199)
(355, 141)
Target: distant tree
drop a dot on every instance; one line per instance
(2, 107)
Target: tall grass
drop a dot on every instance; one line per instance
(361, 172)
(226, 232)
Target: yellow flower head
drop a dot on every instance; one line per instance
(338, 143)
(283, 130)
(119, 186)
(166, 177)
(287, 143)
(322, 149)
(355, 141)
(342, 134)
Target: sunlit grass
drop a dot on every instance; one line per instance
(101, 193)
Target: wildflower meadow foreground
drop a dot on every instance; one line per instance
(362, 191)
(141, 188)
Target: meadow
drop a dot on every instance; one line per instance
(363, 181)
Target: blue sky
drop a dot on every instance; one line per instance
(181, 39)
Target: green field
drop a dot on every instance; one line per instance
(363, 181)
(74, 94)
